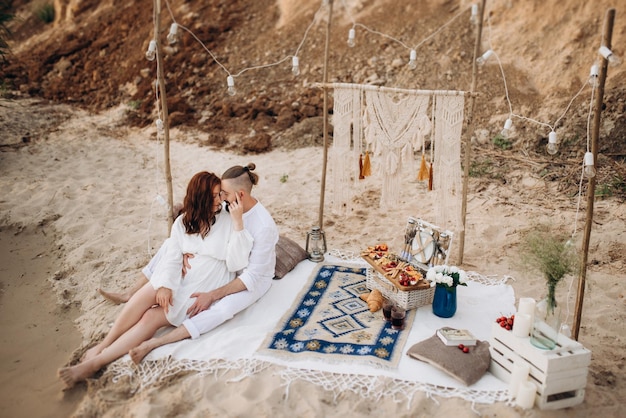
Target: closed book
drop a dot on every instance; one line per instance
(453, 336)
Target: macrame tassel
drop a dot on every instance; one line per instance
(430, 177)
(423, 173)
(367, 165)
(361, 176)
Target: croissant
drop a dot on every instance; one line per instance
(375, 300)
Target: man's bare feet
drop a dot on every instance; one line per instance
(114, 297)
(138, 353)
(74, 374)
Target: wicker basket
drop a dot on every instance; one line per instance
(411, 299)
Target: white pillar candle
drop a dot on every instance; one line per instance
(527, 306)
(519, 374)
(522, 324)
(526, 395)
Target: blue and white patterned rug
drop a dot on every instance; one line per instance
(329, 321)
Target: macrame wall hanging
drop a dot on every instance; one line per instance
(392, 125)
(447, 184)
(394, 122)
(347, 134)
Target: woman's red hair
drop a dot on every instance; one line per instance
(199, 202)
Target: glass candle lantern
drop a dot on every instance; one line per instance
(316, 244)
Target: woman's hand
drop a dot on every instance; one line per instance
(164, 298)
(186, 265)
(236, 213)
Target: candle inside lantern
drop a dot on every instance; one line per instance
(522, 324)
(526, 395)
(519, 374)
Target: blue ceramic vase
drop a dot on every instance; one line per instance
(444, 301)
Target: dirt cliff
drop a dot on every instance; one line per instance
(93, 56)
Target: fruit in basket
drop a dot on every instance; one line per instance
(404, 279)
(409, 276)
(381, 247)
(376, 252)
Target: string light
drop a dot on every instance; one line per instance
(589, 170)
(507, 128)
(608, 55)
(474, 15)
(151, 52)
(484, 57)
(295, 66)
(412, 58)
(593, 75)
(159, 126)
(171, 37)
(351, 36)
(553, 144)
(230, 82)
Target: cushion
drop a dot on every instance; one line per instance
(466, 367)
(288, 255)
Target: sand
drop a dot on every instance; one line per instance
(91, 184)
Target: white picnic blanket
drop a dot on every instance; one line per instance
(233, 346)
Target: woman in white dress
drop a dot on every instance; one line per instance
(220, 246)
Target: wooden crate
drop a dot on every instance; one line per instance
(559, 374)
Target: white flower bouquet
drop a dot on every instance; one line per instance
(446, 276)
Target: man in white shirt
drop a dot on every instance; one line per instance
(213, 308)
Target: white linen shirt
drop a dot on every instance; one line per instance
(259, 273)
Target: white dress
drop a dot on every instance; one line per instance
(216, 259)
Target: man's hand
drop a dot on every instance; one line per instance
(164, 298)
(186, 265)
(236, 213)
(202, 303)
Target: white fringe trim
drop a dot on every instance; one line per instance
(155, 373)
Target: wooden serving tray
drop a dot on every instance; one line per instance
(421, 285)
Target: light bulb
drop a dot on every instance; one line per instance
(171, 37)
(230, 82)
(507, 128)
(351, 35)
(484, 57)
(412, 58)
(295, 66)
(613, 59)
(589, 170)
(474, 15)
(159, 126)
(553, 145)
(593, 75)
(151, 52)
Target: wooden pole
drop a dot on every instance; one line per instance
(468, 132)
(166, 125)
(609, 19)
(325, 119)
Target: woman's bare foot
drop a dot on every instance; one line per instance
(114, 297)
(138, 353)
(74, 374)
(92, 352)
